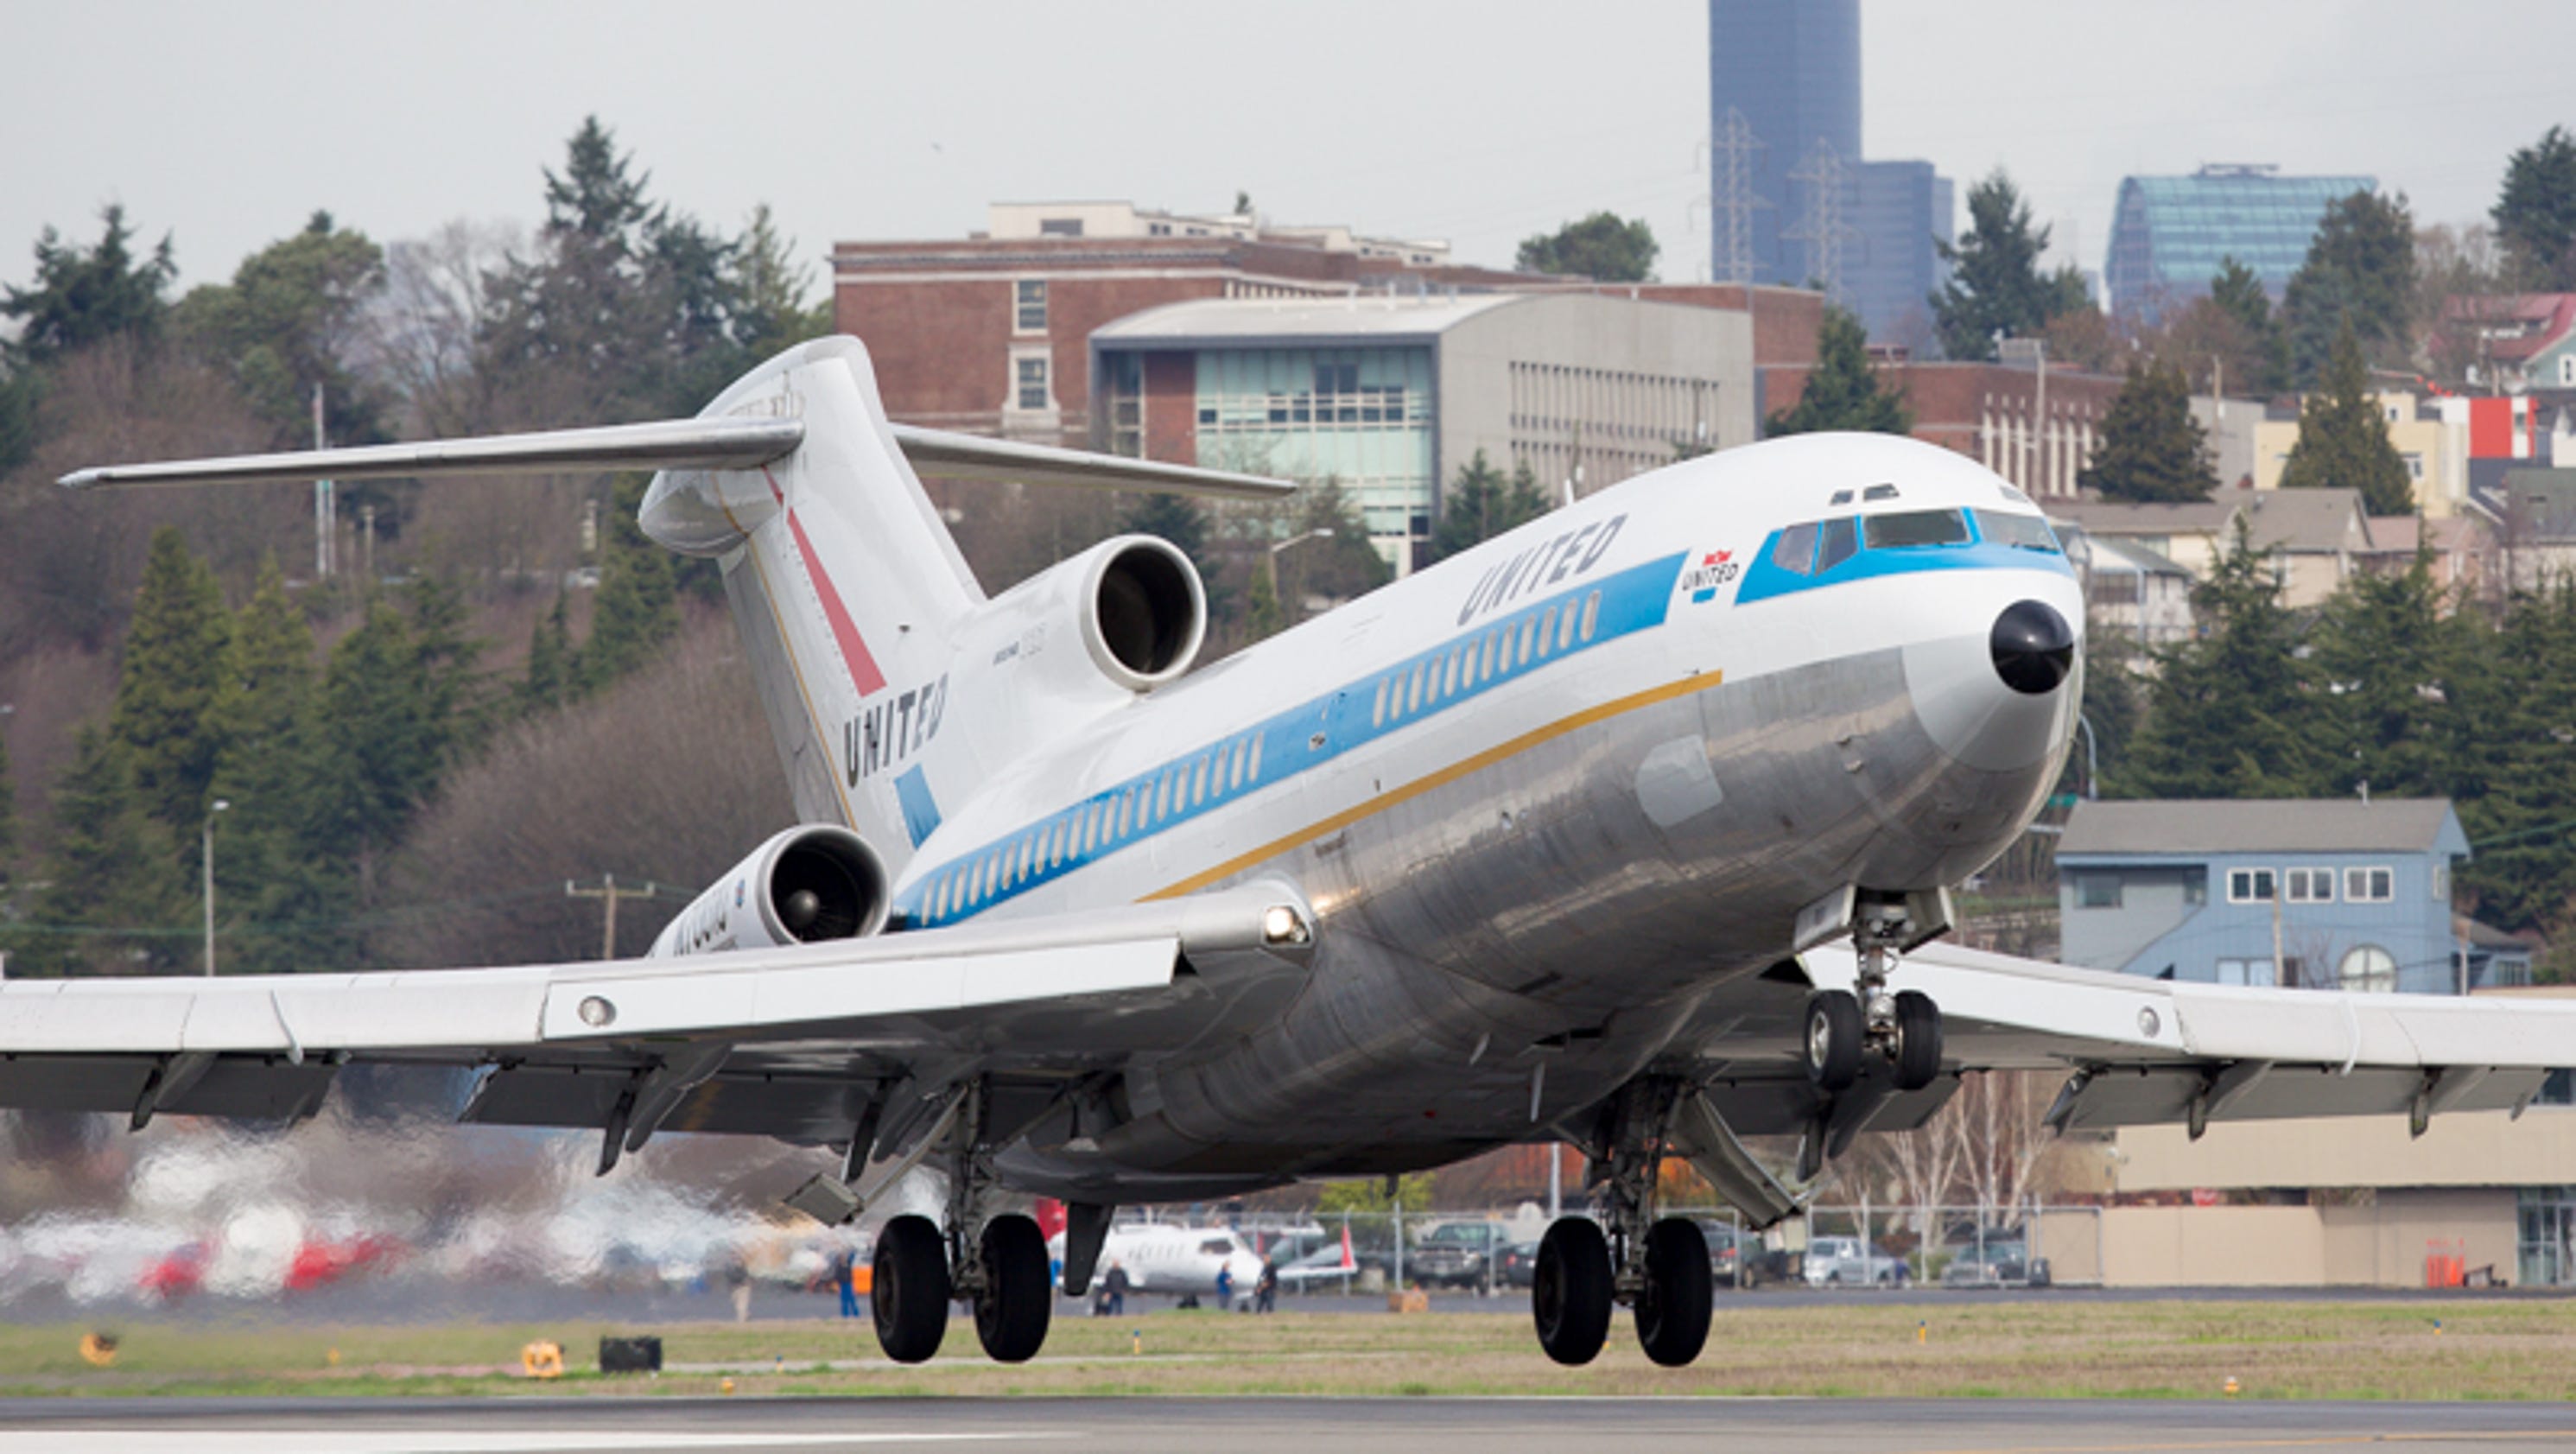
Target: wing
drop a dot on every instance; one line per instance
(2138, 1051)
(815, 1044)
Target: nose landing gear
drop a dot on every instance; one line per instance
(1904, 1027)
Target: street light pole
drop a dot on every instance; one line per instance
(1320, 533)
(206, 860)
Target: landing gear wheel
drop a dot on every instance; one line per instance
(1674, 1306)
(1011, 1312)
(1570, 1292)
(1918, 1040)
(910, 1295)
(1834, 1039)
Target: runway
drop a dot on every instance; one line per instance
(1154, 1426)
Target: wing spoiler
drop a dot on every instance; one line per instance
(709, 444)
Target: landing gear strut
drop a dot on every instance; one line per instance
(1904, 1028)
(1659, 1267)
(999, 1267)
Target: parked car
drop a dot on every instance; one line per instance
(1844, 1262)
(1726, 1245)
(1518, 1266)
(1457, 1254)
(1996, 1264)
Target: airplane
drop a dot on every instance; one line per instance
(1632, 829)
(1176, 1261)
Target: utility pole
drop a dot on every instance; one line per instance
(609, 893)
(326, 509)
(206, 861)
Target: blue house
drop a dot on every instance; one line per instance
(2314, 893)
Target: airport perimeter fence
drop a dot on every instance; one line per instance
(1853, 1246)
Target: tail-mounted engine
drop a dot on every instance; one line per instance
(804, 886)
(1128, 613)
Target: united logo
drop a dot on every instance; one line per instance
(1715, 569)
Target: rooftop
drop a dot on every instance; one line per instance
(2257, 825)
(1377, 318)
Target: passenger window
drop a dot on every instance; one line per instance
(1591, 613)
(1377, 714)
(1198, 784)
(1546, 631)
(1449, 676)
(1126, 811)
(1256, 759)
(1795, 552)
(1488, 654)
(1838, 542)
(1917, 527)
(1528, 629)
(1413, 690)
(1565, 629)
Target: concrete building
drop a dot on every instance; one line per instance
(2319, 894)
(2170, 234)
(1392, 395)
(990, 334)
(1792, 201)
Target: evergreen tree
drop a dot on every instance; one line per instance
(452, 687)
(774, 284)
(2359, 274)
(548, 684)
(2152, 449)
(1261, 606)
(1602, 247)
(637, 608)
(1345, 565)
(380, 750)
(117, 898)
(1842, 392)
(2389, 659)
(288, 321)
(2231, 714)
(8, 814)
(2524, 821)
(282, 900)
(1481, 504)
(82, 295)
(2535, 215)
(2238, 291)
(1175, 518)
(2343, 439)
(1995, 285)
(168, 683)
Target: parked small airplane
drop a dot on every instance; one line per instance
(1610, 831)
(1175, 1261)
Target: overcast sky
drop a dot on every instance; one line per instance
(227, 124)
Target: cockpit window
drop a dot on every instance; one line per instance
(2023, 532)
(1879, 492)
(1796, 550)
(1916, 527)
(1216, 1247)
(1839, 542)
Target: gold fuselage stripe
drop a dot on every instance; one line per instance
(1406, 792)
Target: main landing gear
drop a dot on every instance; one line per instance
(1658, 1267)
(1001, 1271)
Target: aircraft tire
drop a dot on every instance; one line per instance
(1570, 1294)
(1834, 1038)
(909, 1298)
(1673, 1313)
(1011, 1313)
(1918, 1040)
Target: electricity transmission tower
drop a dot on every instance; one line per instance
(1820, 225)
(1732, 200)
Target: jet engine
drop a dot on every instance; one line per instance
(804, 886)
(1134, 603)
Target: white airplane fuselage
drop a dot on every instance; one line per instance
(1540, 797)
(1174, 1261)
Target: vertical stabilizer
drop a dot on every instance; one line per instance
(848, 592)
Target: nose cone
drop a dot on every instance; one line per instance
(2033, 647)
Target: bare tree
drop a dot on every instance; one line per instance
(2004, 1136)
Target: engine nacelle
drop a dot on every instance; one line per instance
(1135, 603)
(807, 885)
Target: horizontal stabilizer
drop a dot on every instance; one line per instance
(668, 444)
(686, 444)
(974, 457)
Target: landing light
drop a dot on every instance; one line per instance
(1281, 924)
(597, 1013)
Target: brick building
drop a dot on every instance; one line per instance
(1990, 412)
(991, 333)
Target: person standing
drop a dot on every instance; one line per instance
(1113, 1290)
(1224, 1288)
(738, 1282)
(845, 1270)
(1265, 1293)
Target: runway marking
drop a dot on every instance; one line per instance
(409, 1441)
(2290, 1441)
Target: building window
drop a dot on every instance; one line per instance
(2249, 886)
(2558, 1090)
(2309, 885)
(2195, 888)
(2245, 971)
(1029, 305)
(2441, 879)
(2368, 969)
(1032, 382)
(2567, 368)
(2369, 885)
(2097, 891)
(1060, 227)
